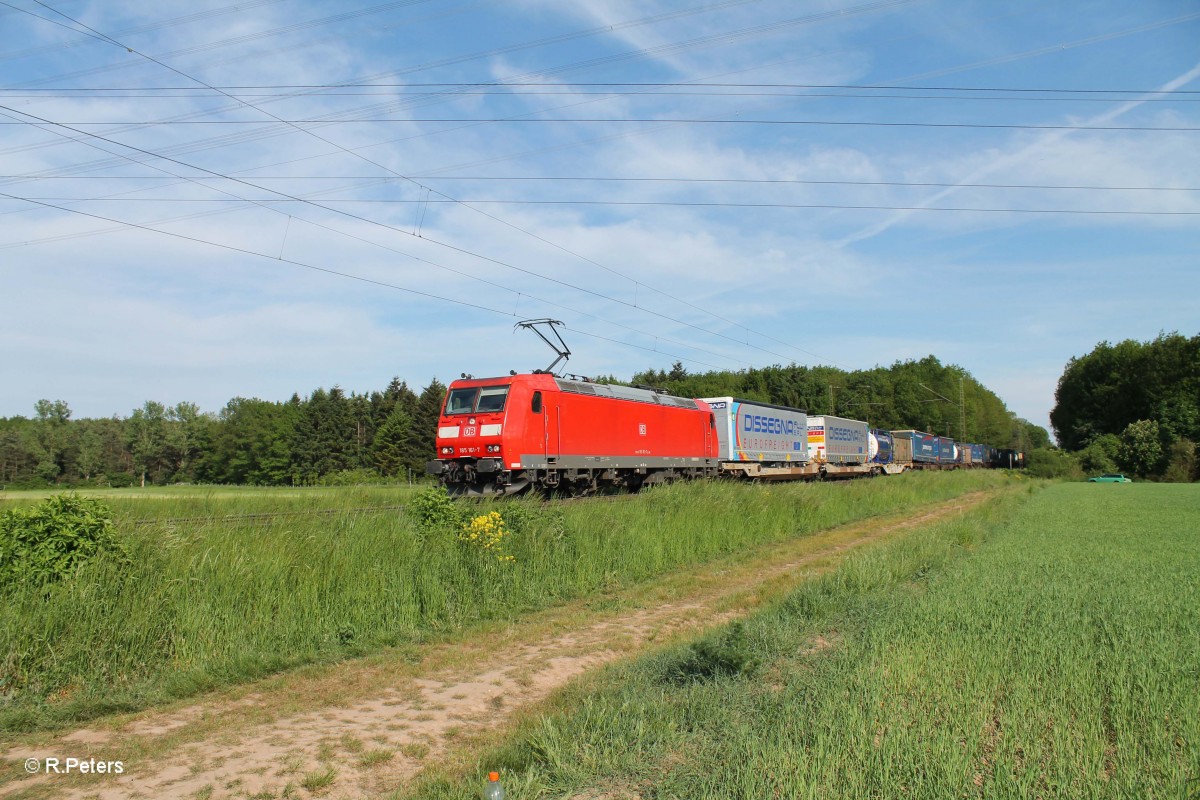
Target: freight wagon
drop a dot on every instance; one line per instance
(760, 440)
(948, 452)
(924, 447)
(888, 455)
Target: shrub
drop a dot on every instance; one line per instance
(433, 508)
(1052, 463)
(48, 542)
(1101, 455)
(1181, 462)
(1141, 448)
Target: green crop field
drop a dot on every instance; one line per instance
(1046, 646)
(206, 594)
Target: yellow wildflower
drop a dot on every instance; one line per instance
(488, 533)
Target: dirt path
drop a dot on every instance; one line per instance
(366, 727)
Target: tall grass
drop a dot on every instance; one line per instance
(213, 601)
(1061, 659)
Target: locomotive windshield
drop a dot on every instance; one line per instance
(491, 398)
(476, 401)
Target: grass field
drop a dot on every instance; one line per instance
(210, 597)
(1048, 646)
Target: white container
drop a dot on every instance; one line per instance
(835, 440)
(748, 430)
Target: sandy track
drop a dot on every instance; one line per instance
(366, 727)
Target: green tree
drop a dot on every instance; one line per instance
(90, 448)
(1141, 450)
(146, 434)
(422, 436)
(1115, 385)
(250, 443)
(326, 436)
(390, 442)
(181, 434)
(17, 461)
(50, 437)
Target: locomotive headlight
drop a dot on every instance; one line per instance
(493, 448)
(447, 451)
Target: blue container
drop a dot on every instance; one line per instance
(947, 451)
(924, 446)
(880, 447)
(977, 453)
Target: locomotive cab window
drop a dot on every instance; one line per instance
(536, 406)
(461, 401)
(476, 401)
(491, 398)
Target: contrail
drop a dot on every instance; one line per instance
(1015, 158)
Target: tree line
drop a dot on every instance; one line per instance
(1134, 407)
(920, 394)
(330, 436)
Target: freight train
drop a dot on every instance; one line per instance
(505, 435)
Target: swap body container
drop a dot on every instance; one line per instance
(835, 440)
(748, 430)
(947, 450)
(924, 445)
(977, 453)
(880, 447)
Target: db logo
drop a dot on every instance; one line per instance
(469, 430)
(641, 429)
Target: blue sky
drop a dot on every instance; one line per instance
(714, 182)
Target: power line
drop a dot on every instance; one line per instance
(681, 203)
(658, 84)
(628, 121)
(264, 205)
(748, 31)
(337, 273)
(611, 179)
(614, 93)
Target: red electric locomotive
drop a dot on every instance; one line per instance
(504, 435)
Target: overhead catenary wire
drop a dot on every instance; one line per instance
(511, 85)
(422, 203)
(397, 229)
(341, 274)
(640, 93)
(799, 20)
(646, 179)
(268, 207)
(637, 120)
